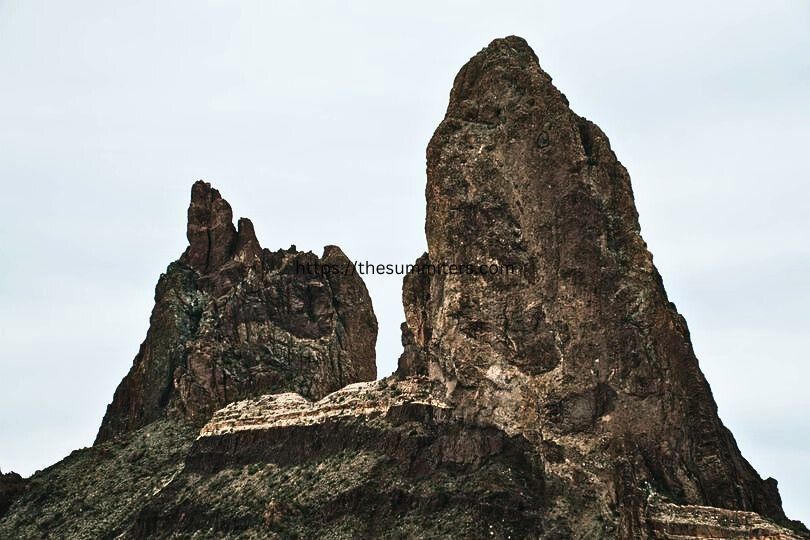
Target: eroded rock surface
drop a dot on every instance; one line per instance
(565, 392)
(233, 320)
(393, 459)
(581, 351)
(95, 492)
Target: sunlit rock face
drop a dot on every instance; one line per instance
(232, 320)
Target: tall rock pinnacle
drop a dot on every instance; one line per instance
(233, 320)
(580, 351)
(210, 231)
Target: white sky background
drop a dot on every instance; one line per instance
(312, 119)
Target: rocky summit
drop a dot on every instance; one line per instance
(558, 399)
(233, 320)
(580, 352)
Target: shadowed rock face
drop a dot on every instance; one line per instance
(232, 320)
(581, 352)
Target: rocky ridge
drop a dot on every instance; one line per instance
(561, 401)
(375, 460)
(95, 492)
(583, 410)
(232, 320)
(394, 459)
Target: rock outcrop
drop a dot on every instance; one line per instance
(392, 459)
(232, 320)
(387, 459)
(96, 492)
(558, 397)
(577, 348)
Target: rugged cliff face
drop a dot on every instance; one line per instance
(396, 459)
(232, 320)
(581, 351)
(387, 459)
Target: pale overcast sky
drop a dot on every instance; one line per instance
(312, 119)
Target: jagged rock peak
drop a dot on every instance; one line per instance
(499, 74)
(232, 320)
(210, 231)
(579, 350)
(247, 245)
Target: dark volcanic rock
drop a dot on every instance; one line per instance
(233, 320)
(395, 459)
(580, 351)
(210, 231)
